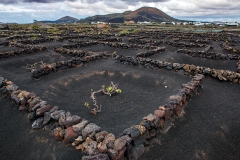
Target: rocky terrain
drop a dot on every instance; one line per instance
(172, 94)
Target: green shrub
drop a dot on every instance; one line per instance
(124, 32)
(54, 30)
(35, 27)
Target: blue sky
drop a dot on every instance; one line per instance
(25, 11)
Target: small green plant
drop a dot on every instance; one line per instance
(34, 37)
(54, 30)
(110, 90)
(86, 104)
(136, 31)
(131, 30)
(35, 27)
(124, 32)
(114, 54)
(105, 31)
(118, 91)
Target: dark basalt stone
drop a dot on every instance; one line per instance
(2, 83)
(37, 124)
(90, 130)
(132, 132)
(32, 116)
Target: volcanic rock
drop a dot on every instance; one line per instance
(43, 109)
(90, 130)
(101, 135)
(57, 114)
(59, 133)
(80, 126)
(112, 153)
(70, 135)
(133, 132)
(37, 124)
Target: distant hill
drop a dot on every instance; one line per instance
(66, 19)
(149, 14)
(141, 14)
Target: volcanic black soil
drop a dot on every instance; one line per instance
(209, 129)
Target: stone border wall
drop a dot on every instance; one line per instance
(128, 45)
(80, 44)
(81, 57)
(14, 37)
(26, 49)
(88, 137)
(222, 75)
(229, 48)
(46, 69)
(209, 55)
(73, 52)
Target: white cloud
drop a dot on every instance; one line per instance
(187, 9)
(12, 8)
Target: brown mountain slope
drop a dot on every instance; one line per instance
(141, 14)
(148, 14)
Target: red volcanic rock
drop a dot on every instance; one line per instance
(70, 135)
(58, 133)
(120, 155)
(159, 113)
(102, 148)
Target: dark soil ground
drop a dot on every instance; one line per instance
(208, 130)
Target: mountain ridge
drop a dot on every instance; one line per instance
(65, 19)
(150, 14)
(142, 14)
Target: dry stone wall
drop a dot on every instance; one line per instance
(26, 49)
(45, 69)
(209, 55)
(88, 137)
(222, 75)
